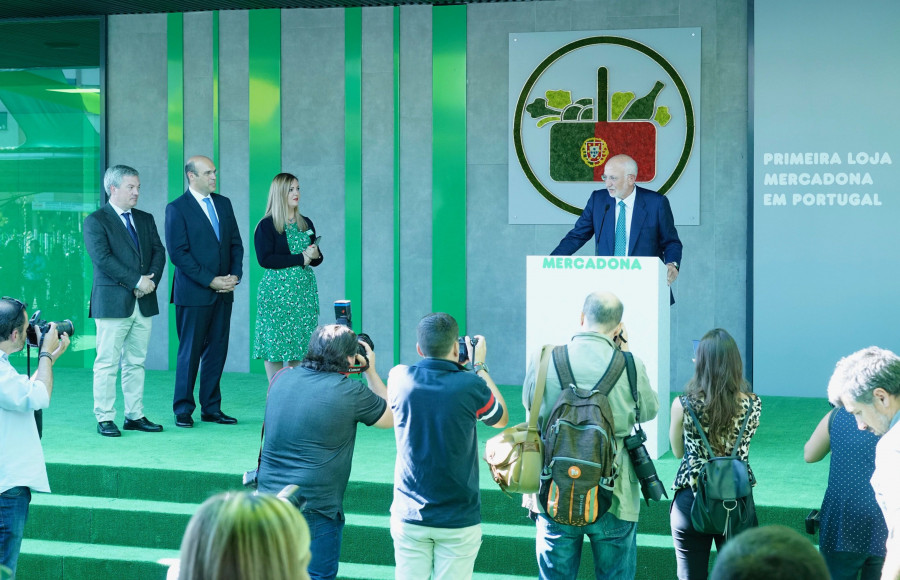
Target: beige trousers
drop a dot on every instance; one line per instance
(121, 343)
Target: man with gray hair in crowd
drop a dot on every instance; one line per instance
(128, 259)
(613, 536)
(867, 384)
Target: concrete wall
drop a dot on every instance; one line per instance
(711, 290)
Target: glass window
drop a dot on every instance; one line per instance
(50, 163)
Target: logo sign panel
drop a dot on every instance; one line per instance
(579, 98)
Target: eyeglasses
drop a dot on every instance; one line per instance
(17, 302)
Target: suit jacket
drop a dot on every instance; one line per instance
(118, 265)
(653, 230)
(195, 252)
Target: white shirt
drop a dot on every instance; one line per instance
(629, 211)
(204, 206)
(119, 211)
(21, 455)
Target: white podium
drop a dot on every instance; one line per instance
(556, 289)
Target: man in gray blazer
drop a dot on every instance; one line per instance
(128, 259)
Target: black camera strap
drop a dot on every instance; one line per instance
(631, 370)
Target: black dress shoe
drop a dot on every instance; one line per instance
(218, 417)
(108, 429)
(184, 420)
(141, 424)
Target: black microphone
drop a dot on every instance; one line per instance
(602, 220)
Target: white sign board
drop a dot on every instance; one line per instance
(556, 289)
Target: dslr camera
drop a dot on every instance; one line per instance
(651, 487)
(343, 317)
(463, 356)
(35, 324)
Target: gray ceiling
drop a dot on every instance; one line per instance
(67, 8)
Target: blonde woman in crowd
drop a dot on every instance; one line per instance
(244, 536)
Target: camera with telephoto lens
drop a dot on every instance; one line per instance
(35, 324)
(463, 356)
(343, 317)
(651, 487)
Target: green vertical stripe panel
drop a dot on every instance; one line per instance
(265, 134)
(353, 160)
(215, 63)
(448, 203)
(396, 185)
(175, 99)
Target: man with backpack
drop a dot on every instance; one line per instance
(565, 510)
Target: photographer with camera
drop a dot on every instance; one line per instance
(613, 537)
(436, 512)
(310, 430)
(22, 466)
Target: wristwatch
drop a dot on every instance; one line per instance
(480, 366)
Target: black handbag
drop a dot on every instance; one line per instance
(723, 501)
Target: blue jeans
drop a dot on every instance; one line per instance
(325, 546)
(613, 543)
(848, 565)
(13, 513)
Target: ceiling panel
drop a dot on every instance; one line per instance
(67, 8)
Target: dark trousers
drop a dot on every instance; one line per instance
(202, 344)
(325, 545)
(691, 547)
(853, 566)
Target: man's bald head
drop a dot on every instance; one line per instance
(602, 312)
(201, 174)
(624, 162)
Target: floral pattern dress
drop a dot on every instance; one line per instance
(287, 306)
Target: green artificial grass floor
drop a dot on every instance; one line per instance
(70, 437)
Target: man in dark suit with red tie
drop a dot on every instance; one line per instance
(205, 247)
(626, 220)
(128, 259)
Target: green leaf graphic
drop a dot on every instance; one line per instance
(559, 99)
(538, 108)
(571, 113)
(662, 116)
(619, 102)
(546, 120)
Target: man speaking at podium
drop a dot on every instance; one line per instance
(623, 224)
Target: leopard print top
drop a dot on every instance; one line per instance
(695, 454)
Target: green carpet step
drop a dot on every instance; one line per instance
(350, 571)
(104, 520)
(156, 484)
(506, 549)
(48, 560)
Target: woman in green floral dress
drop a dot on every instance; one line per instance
(288, 298)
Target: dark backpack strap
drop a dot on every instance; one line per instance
(687, 405)
(563, 367)
(567, 377)
(612, 374)
(632, 382)
(740, 437)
